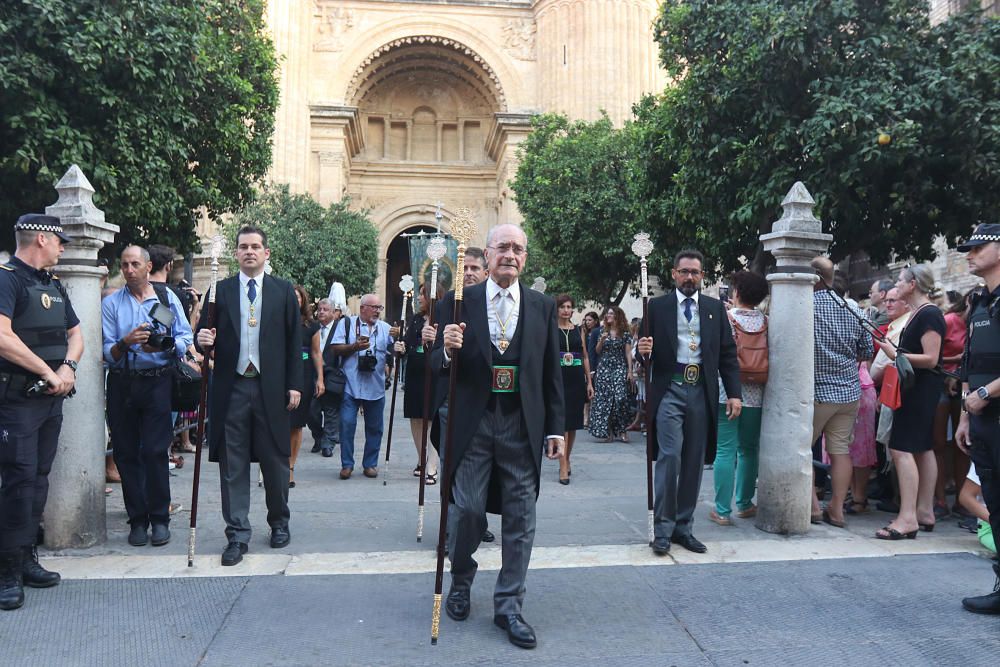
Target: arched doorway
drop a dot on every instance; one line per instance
(397, 264)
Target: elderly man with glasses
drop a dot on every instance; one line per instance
(365, 342)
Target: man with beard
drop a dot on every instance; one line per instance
(693, 347)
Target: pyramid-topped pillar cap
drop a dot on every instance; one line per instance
(798, 212)
(80, 218)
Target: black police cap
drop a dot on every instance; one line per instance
(39, 222)
(984, 234)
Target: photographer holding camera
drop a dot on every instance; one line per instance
(142, 337)
(40, 345)
(365, 344)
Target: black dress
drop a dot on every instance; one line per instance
(416, 365)
(913, 422)
(574, 379)
(300, 415)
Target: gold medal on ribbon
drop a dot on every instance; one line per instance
(502, 344)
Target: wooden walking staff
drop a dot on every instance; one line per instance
(406, 285)
(217, 244)
(642, 247)
(461, 231)
(436, 249)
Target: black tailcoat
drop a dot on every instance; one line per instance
(718, 357)
(280, 357)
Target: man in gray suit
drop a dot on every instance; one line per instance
(257, 381)
(508, 400)
(693, 347)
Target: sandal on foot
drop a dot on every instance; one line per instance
(888, 533)
(816, 519)
(857, 507)
(833, 522)
(431, 480)
(417, 471)
(926, 527)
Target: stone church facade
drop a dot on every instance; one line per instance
(405, 104)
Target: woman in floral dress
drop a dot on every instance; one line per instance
(609, 412)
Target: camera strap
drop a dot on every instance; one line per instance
(372, 331)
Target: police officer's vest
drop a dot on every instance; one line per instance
(42, 324)
(984, 343)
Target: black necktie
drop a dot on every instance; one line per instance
(252, 291)
(687, 308)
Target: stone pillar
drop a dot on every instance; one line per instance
(784, 484)
(74, 514)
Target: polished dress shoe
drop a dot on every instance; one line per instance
(690, 543)
(518, 631)
(161, 535)
(457, 605)
(488, 536)
(137, 536)
(371, 472)
(316, 448)
(345, 473)
(280, 537)
(33, 574)
(233, 553)
(327, 452)
(986, 604)
(661, 546)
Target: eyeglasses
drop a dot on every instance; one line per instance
(689, 273)
(891, 300)
(377, 308)
(504, 248)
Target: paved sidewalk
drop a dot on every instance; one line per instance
(902, 610)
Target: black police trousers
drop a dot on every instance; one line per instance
(984, 431)
(29, 435)
(141, 433)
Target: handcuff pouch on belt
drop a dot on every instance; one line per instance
(505, 380)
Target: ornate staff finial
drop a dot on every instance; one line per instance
(462, 227)
(539, 285)
(406, 283)
(642, 248)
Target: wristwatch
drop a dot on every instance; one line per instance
(72, 364)
(983, 393)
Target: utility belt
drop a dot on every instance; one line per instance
(159, 371)
(686, 374)
(570, 359)
(505, 380)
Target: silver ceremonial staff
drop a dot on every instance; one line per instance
(642, 247)
(436, 249)
(406, 285)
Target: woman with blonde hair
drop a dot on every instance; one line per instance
(912, 441)
(609, 413)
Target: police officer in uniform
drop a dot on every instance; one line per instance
(40, 345)
(978, 432)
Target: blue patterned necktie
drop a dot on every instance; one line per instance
(687, 308)
(252, 290)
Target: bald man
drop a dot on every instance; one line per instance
(365, 344)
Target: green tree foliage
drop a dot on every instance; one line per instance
(768, 92)
(166, 105)
(573, 188)
(311, 245)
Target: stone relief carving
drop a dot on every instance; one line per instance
(519, 38)
(332, 26)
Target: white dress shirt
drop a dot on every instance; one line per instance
(493, 300)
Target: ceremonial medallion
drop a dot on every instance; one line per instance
(691, 373)
(568, 359)
(502, 344)
(252, 321)
(693, 346)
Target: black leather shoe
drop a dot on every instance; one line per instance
(161, 534)
(315, 449)
(137, 535)
(327, 452)
(33, 574)
(488, 536)
(518, 631)
(280, 537)
(11, 585)
(661, 546)
(690, 543)
(986, 604)
(457, 605)
(233, 553)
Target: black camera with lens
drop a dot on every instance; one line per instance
(367, 362)
(161, 316)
